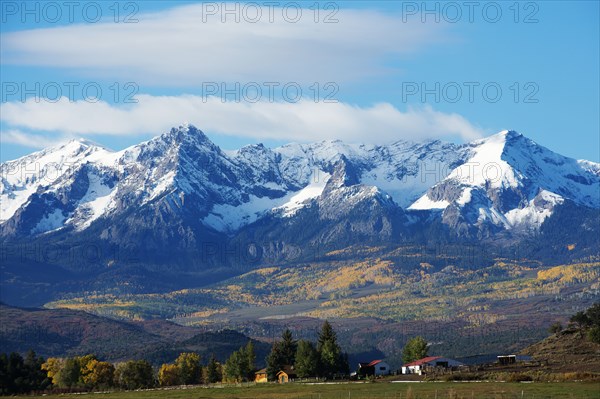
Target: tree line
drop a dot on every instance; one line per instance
(20, 375)
(83, 373)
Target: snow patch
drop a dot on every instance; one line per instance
(98, 200)
(300, 198)
(486, 166)
(52, 221)
(465, 196)
(425, 203)
(228, 218)
(162, 185)
(533, 215)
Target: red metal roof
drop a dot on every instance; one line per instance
(373, 363)
(422, 361)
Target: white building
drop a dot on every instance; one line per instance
(420, 366)
(376, 367)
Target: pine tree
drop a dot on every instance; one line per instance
(250, 360)
(213, 373)
(240, 365)
(232, 369)
(326, 335)
(330, 353)
(282, 353)
(307, 359)
(288, 347)
(275, 361)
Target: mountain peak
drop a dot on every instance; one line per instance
(510, 133)
(84, 143)
(185, 133)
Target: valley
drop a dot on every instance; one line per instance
(464, 312)
(386, 242)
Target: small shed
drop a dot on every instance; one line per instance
(505, 360)
(286, 374)
(261, 376)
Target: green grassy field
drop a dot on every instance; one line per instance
(427, 390)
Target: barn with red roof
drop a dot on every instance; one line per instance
(376, 368)
(421, 366)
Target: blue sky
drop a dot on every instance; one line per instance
(376, 72)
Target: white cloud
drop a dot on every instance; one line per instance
(176, 48)
(37, 141)
(301, 121)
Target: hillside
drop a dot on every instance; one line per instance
(566, 352)
(350, 289)
(64, 332)
(376, 306)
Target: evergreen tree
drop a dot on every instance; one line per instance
(594, 334)
(326, 335)
(275, 361)
(240, 365)
(555, 328)
(330, 353)
(593, 314)
(307, 359)
(36, 378)
(282, 353)
(288, 347)
(329, 359)
(250, 361)
(581, 320)
(18, 375)
(232, 370)
(344, 364)
(213, 372)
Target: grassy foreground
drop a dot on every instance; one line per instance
(426, 390)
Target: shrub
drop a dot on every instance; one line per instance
(464, 377)
(594, 334)
(555, 328)
(518, 377)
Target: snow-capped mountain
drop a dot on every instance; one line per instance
(80, 182)
(178, 212)
(180, 186)
(510, 182)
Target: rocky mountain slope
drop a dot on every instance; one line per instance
(177, 211)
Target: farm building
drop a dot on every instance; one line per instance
(261, 376)
(286, 374)
(512, 359)
(422, 365)
(376, 368)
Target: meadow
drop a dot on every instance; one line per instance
(379, 390)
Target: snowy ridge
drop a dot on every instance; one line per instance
(38, 171)
(506, 180)
(522, 180)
